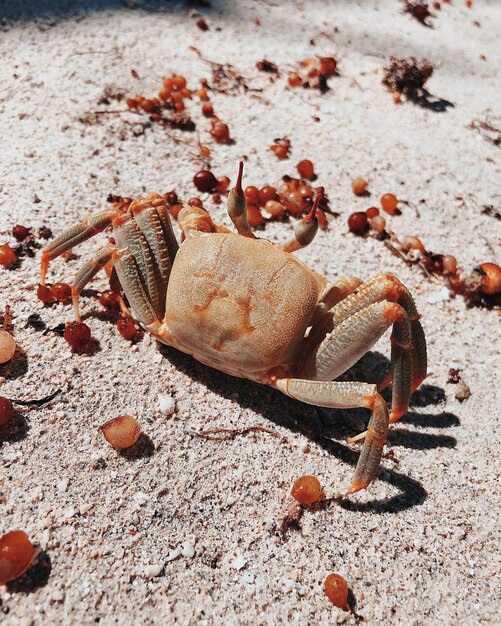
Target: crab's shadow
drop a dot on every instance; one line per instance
(52, 11)
(324, 426)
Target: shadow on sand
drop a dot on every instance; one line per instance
(323, 426)
(54, 10)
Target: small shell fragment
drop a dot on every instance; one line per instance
(462, 392)
(188, 550)
(152, 571)
(239, 562)
(166, 404)
(174, 554)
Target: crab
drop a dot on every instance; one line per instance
(250, 308)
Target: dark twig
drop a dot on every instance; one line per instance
(227, 434)
(39, 402)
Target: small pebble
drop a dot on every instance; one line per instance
(70, 512)
(141, 498)
(174, 554)
(462, 391)
(166, 404)
(151, 571)
(58, 595)
(239, 563)
(45, 538)
(188, 550)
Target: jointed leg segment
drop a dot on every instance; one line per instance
(73, 236)
(357, 318)
(87, 273)
(346, 324)
(129, 276)
(237, 207)
(143, 257)
(305, 230)
(386, 287)
(348, 395)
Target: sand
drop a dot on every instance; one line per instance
(184, 530)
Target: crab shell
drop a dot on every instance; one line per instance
(240, 305)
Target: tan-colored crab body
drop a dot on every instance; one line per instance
(240, 305)
(251, 309)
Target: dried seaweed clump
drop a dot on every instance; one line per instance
(267, 66)
(406, 76)
(313, 73)
(418, 10)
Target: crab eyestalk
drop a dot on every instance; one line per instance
(306, 229)
(237, 206)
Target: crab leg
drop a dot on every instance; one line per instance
(130, 279)
(151, 229)
(170, 237)
(237, 207)
(320, 322)
(74, 235)
(347, 395)
(150, 224)
(351, 339)
(388, 287)
(128, 235)
(146, 231)
(87, 273)
(339, 291)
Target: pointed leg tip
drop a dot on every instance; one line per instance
(355, 486)
(417, 383)
(396, 414)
